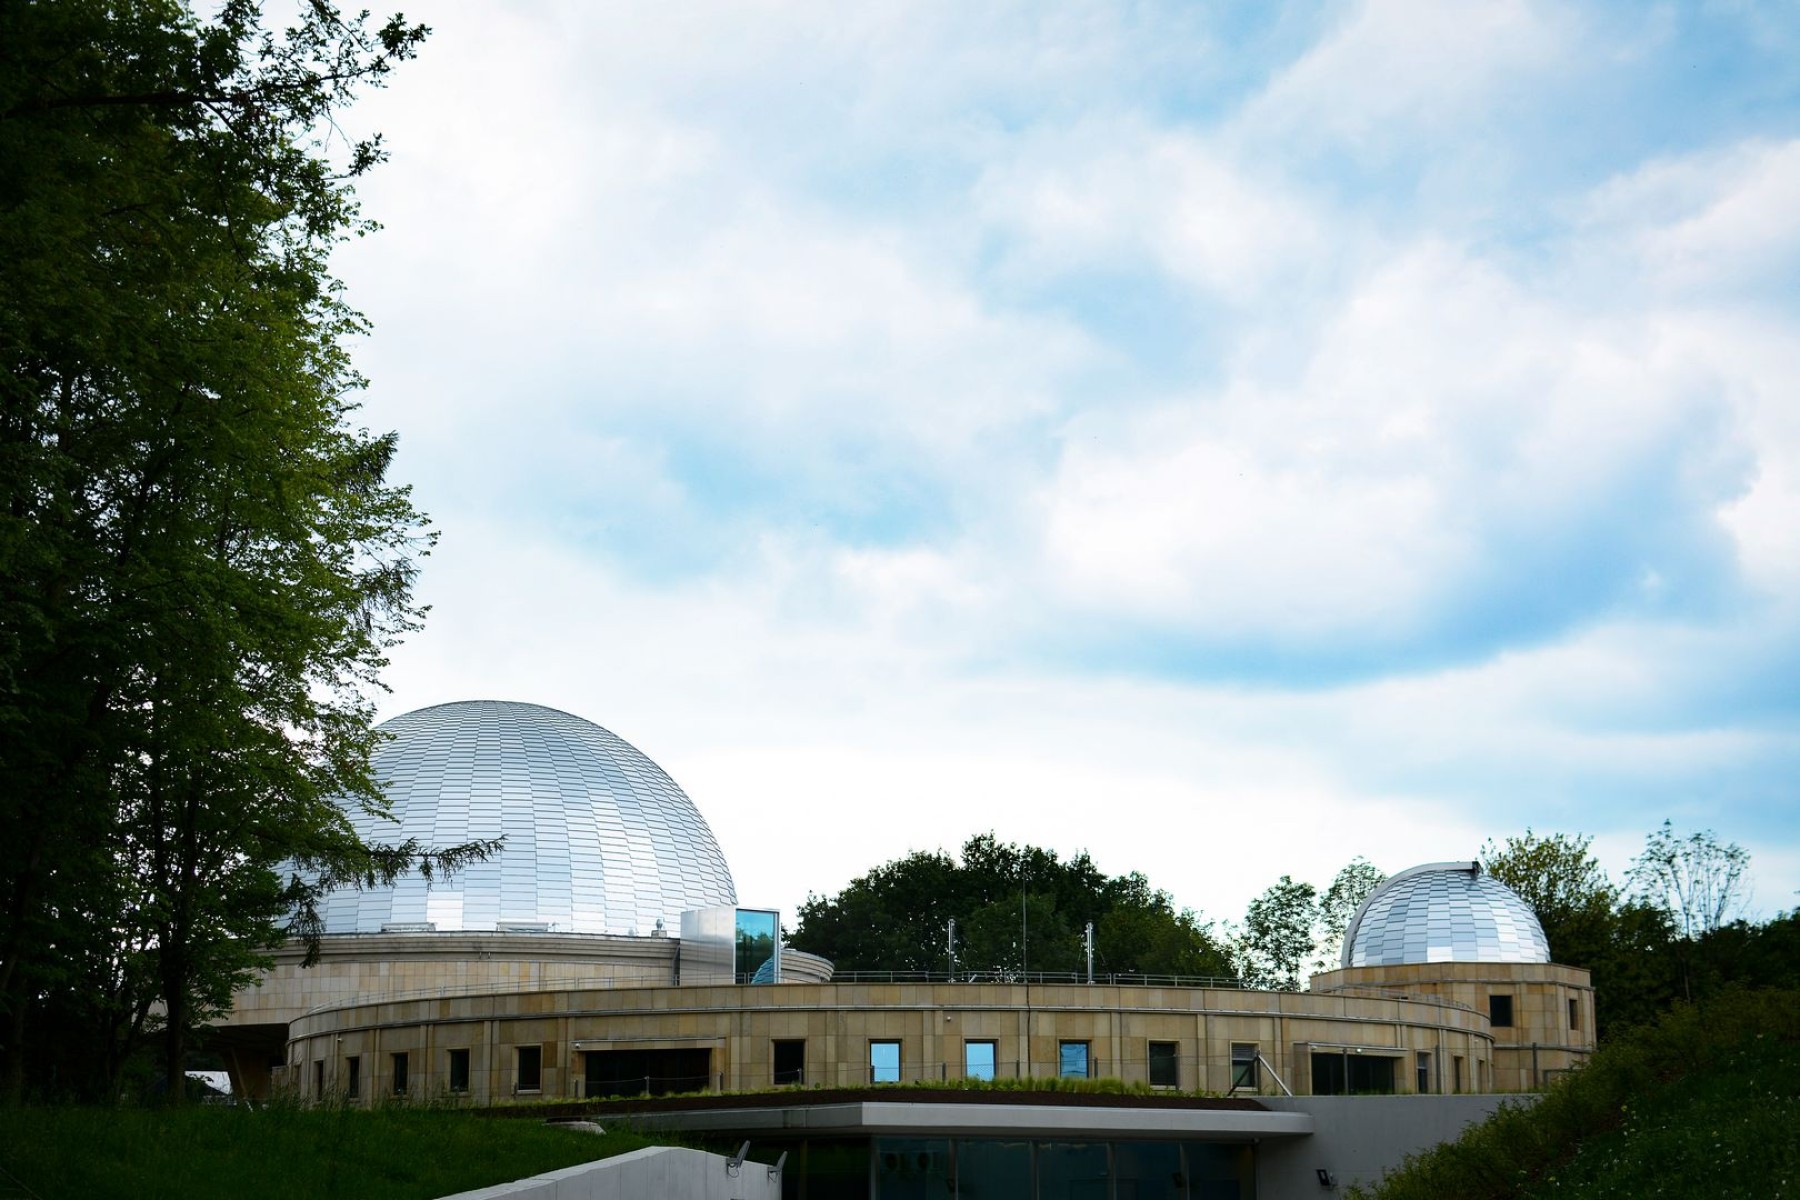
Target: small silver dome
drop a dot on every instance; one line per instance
(599, 839)
(1444, 912)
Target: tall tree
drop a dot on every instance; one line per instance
(202, 563)
(1565, 886)
(1017, 908)
(1349, 888)
(1698, 884)
(1277, 938)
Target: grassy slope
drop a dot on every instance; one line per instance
(280, 1153)
(1705, 1103)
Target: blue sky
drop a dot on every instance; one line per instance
(1225, 438)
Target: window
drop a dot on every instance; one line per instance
(1072, 1060)
(1574, 1013)
(1456, 1074)
(1424, 1072)
(1244, 1067)
(978, 1060)
(884, 1062)
(459, 1070)
(1165, 1064)
(530, 1064)
(1500, 1012)
(318, 1079)
(353, 1076)
(399, 1074)
(790, 1061)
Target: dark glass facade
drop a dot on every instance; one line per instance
(941, 1168)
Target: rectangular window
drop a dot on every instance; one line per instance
(1072, 1060)
(1165, 1064)
(399, 1074)
(790, 1061)
(1500, 1012)
(530, 1069)
(1456, 1074)
(459, 1070)
(1574, 1013)
(884, 1062)
(978, 1059)
(353, 1076)
(1244, 1067)
(318, 1079)
(1423, 1083)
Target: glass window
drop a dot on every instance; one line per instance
(912, 1169)
(399, 1074)
(1151, 1171)
(1500, 1012)
(1456, 1073)
(1424, 1073)
(1165, 1064)
(990, 1170)
(978, 1060)
(1072, 1169)
(530, 1061)
(459, 1070)
(884, 1062)
(1330, 1073)
(1072, 1060)
(1574, 1013)
(1244, 1067)
(756, 929)
(318, 1079)
(353, 1076)
(790, 1061)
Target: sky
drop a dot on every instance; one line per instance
(1227, 439)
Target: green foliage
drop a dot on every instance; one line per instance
(1338, 905)
(1565, 886)
(1696, 880)
(1278, 935)
(283, 1153)
(895, 917)
(202, 564)
(1701, 1103)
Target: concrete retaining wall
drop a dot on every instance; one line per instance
(1358, 1138)
(661, 1171)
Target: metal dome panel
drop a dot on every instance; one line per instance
(1444, 912)
(599, 839)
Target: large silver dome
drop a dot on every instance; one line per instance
(1444, 912)
(599, 839)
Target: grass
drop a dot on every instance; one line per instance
(281, 1153)
(1705, 1102)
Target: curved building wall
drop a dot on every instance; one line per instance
(598, 838)
(931, 1025)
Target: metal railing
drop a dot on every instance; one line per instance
(1043, 977)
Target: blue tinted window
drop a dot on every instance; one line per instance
(978, 1060)
(884, 1062)
(1072, 1059)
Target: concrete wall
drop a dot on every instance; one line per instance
(661, 1171)
(931, 1022)
(1360, 1138)
(1552, 1005)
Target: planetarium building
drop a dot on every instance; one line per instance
(602, 952)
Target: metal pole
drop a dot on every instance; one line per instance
(952, 949)
(1090, 951)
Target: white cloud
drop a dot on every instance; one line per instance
(755, 283)
(1710, 222)
(1109, 195)
(1397, 71)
